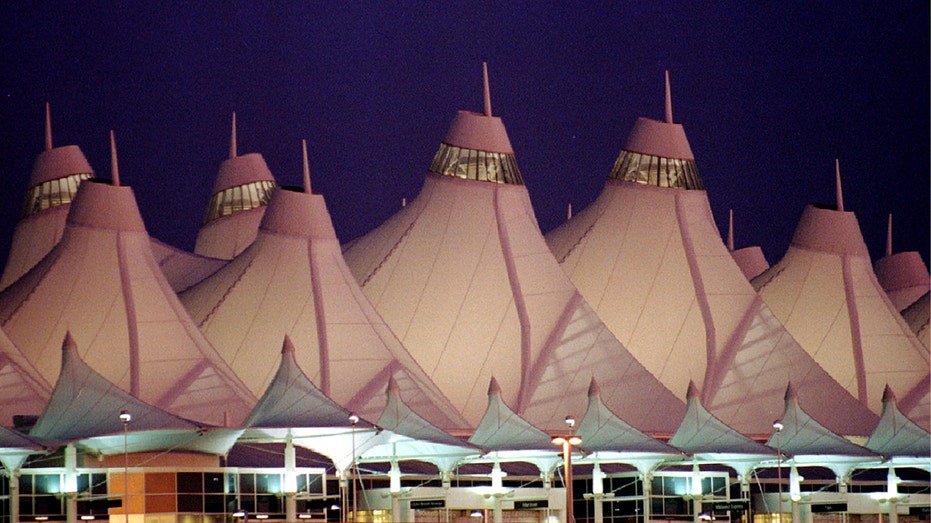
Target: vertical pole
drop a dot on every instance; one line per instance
(354, 467)
(126, 417)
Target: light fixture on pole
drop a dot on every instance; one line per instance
(125, 418)
(567, 442)
(778, 426)
(353, 467)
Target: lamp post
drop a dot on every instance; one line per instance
(567, 443)
(125, 418)
(778, 426)
(353, 467)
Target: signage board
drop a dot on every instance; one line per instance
(840, 506)
(724, 506)
(421, 504)
(531, 504)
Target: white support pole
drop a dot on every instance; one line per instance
(290, 481)
(70, 489)
(598, 492)
(394, 476)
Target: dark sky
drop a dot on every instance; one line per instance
(769, 95)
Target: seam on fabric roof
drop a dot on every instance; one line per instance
(222, 299)
(717, 368)
(581, 237)
(50, 260)
(390, 251)
(910, 400)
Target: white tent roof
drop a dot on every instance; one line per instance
(464, 277)
(502, 429)
(904, 275)
(85, 407)
(917, 317)
(15, 448)
(292, 400)
(183, 269)
(802, 436)
(23, 390)
(241, 189)
(293, 281)
(897, 435)
(102, 283)
(702, 433)
(601, 430)
(649, 258)
(825, 292)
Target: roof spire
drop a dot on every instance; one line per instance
(287, 346)
(730, 230)
(668, 99)
(487, 90)
(114, 167)
(840, 191)
(233, 138)
(306, 167)
(569, 212)
(48, 127)
(889, 237)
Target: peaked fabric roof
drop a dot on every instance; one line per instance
(602, 430)
(897, 435)
(292, 400)
(240, 193)
(418, 438)
(904, 275)
(917, 316)
(751, 260)
(15, 448)
(293, 281)
(181, 268)
(463, 276)
(502, 429)
(825, 292)
(55, 177)
(801, 435)
(650, 261)
(702, 433)
(102, 283)
(23, 390)
(84, 404)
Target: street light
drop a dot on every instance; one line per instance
(778, 426)
(126, 417)
(567, 443)
(353, 467)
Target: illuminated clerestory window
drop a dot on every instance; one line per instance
(472, 164)
(656, 170)
(239, 198)
(52, 193)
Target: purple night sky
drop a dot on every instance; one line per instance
(769, 95)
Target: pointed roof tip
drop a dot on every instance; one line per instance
(569, 212)
(493, 388)
(114, 165)
(393, 387)
(48, 126)
(668, 99)
(888, 395)
(889, 238)
(306, 167)
(487, 90)
(730, 230)
(692, 391)
(840, 190)
(791, 393)
(68, 344)
(593, 388)
(233, 153)
(287, 347)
